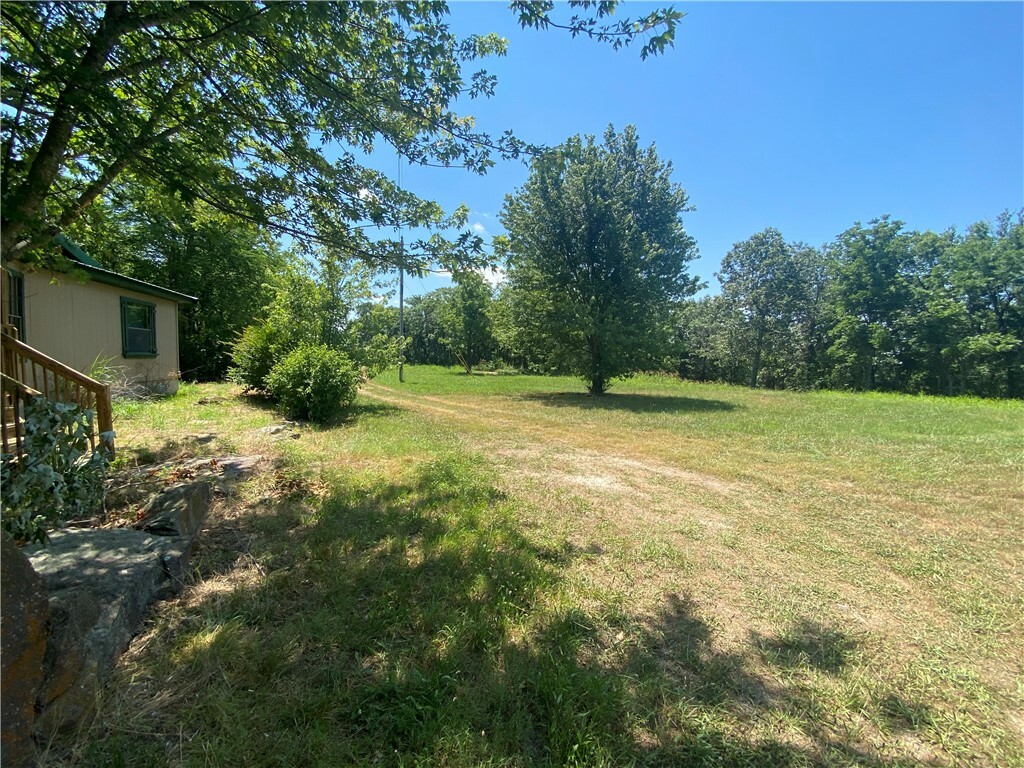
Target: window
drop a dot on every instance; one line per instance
(15, 314)
(138, 328)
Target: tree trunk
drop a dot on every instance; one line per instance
(597, 384)
(27, 200)
(758, 346)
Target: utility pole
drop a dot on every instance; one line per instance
(401, 310)
(401, 289)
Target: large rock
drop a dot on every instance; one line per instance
(275, 429)
(24, 627)
(101, 582)
(225, 468)
(73, 613)
(237, 467)
(279, 431)
(75, 706)
(178, 510)
(175, 555)
(122, 569)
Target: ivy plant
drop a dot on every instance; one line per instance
(59, 478)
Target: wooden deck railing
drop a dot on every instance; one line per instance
(41, 376)
(15, 397)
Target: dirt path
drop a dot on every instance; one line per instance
(639, 497)
(552, 452)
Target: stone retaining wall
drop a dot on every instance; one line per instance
(70, 609)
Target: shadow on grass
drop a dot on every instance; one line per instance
(614, 401)
(360, 409)
(412, 622)
(363, 409)
(257, 399)
(131, 455)
(808, 644)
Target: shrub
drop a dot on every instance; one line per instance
(313, 382)
(60, 478)
(257, 350)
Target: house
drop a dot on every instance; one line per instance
(125, 324)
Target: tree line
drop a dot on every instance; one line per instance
(596, 285)
(180, 143)
(879, 308)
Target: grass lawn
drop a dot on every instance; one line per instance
(501, 570)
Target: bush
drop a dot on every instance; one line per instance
(256, 351)
(313, 382)
(60, 478)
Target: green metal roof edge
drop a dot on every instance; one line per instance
(76, 250)
(101, 275)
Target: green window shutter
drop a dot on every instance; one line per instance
(16, 302)
(138, 328)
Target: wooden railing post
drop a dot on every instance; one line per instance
(15, 397)
(68, 385)
(8, 365)
(105, 419)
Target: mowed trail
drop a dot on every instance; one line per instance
(537, 447)
(759, 540)
(591, 486)
(742, 532)
(629, 493)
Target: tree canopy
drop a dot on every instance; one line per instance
(465, 322)
(879, 308)
(448, 325)
(597, 256)
(236, 105)
(761, 277)
(319, 306)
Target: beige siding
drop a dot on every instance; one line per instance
(77, 322)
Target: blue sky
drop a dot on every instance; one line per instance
(802, 116)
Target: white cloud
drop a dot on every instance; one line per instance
(493, 276)
(479, 228)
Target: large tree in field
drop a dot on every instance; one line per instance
(769, 326)
(260, 110)
(597, 256)
(984, 273)
(872, 286)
